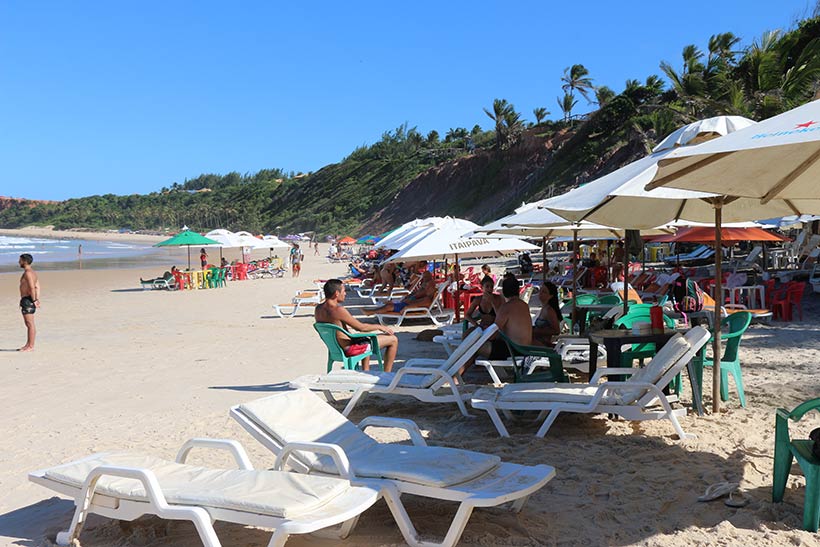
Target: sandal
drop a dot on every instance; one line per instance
(737, 502)
(718, 490)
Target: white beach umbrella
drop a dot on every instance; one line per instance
(224, 238)
(703, 130)
(775, 162)
(273, 242)
(247, 239)
(621, 198)
(447, 239)
(765, 170)
(388, 241)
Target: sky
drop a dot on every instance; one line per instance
(128, 97)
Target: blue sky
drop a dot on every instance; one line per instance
(128, 97)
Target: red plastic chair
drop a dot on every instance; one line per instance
(795, 294)
(770, 290)
(788, 298)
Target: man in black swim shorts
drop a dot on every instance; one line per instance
(29, 299)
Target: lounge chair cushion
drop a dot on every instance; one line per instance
(278, 494)
(671, 352)
(667, 356)
(548, 391)
(300, 415)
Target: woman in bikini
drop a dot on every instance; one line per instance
(482, 311)
(548, 323)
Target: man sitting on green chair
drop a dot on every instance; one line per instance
(332, 311)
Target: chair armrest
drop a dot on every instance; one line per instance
(625, 371)
(333, 450)
(400, 423)
(423, 362)
(236, 449)
(803, 408)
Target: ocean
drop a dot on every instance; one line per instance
(63, 254)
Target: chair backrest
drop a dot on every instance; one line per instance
(301, 416)
(737, 322)
(666, 364)
(328, 334)
(613, 299)
(466, 350)
(640, 314)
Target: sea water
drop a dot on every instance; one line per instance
(62, 254)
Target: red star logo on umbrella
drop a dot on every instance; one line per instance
(805, 125)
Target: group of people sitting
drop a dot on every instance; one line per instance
(512, 316)
(507, 310)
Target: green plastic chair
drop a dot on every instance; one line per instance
(801, 449)
(737, 324)
(613, 299)
(639, 313)
(518, 352)
(335, 353)
(223, 274)
(212, 278)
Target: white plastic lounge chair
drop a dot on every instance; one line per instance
(471, 478)
(435, 312)
(630, 399)
(308, 297)
(126, 486)
(428, 380)
(395, 292)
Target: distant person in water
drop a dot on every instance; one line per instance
(29, 299)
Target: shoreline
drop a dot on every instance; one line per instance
(50, 233)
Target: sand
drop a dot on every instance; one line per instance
(118, 368)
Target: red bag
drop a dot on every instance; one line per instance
(357, 349)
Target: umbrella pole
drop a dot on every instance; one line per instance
(718, 303)
(543, 260)
(456, 272)
(189, 257)
(574, 279)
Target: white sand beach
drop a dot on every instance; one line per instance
(117, 368)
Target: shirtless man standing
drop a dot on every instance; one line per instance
(332, 311)
(29, 299)
(421, 297)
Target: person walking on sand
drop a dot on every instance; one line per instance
(29, 299)
(296, 258)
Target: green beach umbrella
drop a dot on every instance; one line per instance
(187, 238)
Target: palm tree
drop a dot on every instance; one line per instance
(603, 95)
(540, 114)
(567, 103)
(576, 78)
(506, 120)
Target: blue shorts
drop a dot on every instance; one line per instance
(398, 306)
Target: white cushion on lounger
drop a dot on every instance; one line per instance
(558, 392)
(667, 356)
(278, 494)
(302, 416)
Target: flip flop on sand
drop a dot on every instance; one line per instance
(718, 490)
(738, 501)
